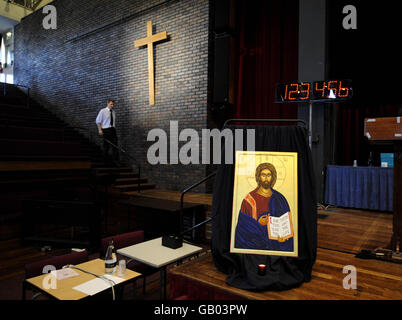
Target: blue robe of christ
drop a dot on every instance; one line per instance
(250, 234)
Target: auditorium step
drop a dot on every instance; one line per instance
(128, 174)
(114, 170)
(134, 187)
(43, 156)
(126, 181)
(96, 165)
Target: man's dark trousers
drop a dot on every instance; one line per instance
(111, 135)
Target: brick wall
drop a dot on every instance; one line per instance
(91, 57)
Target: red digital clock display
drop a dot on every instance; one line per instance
(325, 91)
(329, 90)
(293, 92)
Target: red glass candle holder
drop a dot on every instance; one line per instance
(262, 269)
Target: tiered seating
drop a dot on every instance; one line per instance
(43, 157)
(40, 157)
(32, 139)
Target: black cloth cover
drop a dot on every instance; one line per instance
(282, 272)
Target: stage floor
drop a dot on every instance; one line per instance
(342, 233)
(375, 279)
(339, 229)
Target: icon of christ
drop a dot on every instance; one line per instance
(265, 220)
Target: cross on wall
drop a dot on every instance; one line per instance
(149, 41)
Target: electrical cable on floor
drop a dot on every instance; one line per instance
(323, 207)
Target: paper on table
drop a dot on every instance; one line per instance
(64, 273)
(96, 285)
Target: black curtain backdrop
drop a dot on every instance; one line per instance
(267, 55)
(370, 57)
(351, 142)
(282, 272)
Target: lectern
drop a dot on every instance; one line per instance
(389, 131)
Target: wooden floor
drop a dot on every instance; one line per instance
(375, 279)
(341, 234)
(351, 231)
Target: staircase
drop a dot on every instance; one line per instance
(43, 156)
(125, 180)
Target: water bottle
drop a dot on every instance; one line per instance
(110, 258)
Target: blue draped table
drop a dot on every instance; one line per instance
(360, 187)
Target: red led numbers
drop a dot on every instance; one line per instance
(332, 89)
(297, 91)
(319, 89)
(316, 91)
(293, 92)
(343, 92)
(305, 91)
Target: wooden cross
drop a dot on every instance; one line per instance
(148, 41)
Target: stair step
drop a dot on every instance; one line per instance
(134, 187)
(133, 177)
(29, 118)
(35, 124)
(37, 117)
(128, 174)
(43, 180)
(126, 181)
(97, 165)
(122, 169)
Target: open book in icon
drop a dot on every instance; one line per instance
(280, 227)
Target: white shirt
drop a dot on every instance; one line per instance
(103, 118)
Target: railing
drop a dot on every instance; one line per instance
(182, 204)
(132, 158)
(4, 91)
(90, 135)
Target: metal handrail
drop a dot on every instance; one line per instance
(116, 147)
(213, 174)
(132, 158)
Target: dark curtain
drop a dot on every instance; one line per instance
(351, 142)
(370, 57)
(282, 272)
(267, 55)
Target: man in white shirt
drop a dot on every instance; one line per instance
(106, 121)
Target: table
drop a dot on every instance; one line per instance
(155, 255)
(360, 187)
(65, 291)
(159, 217)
